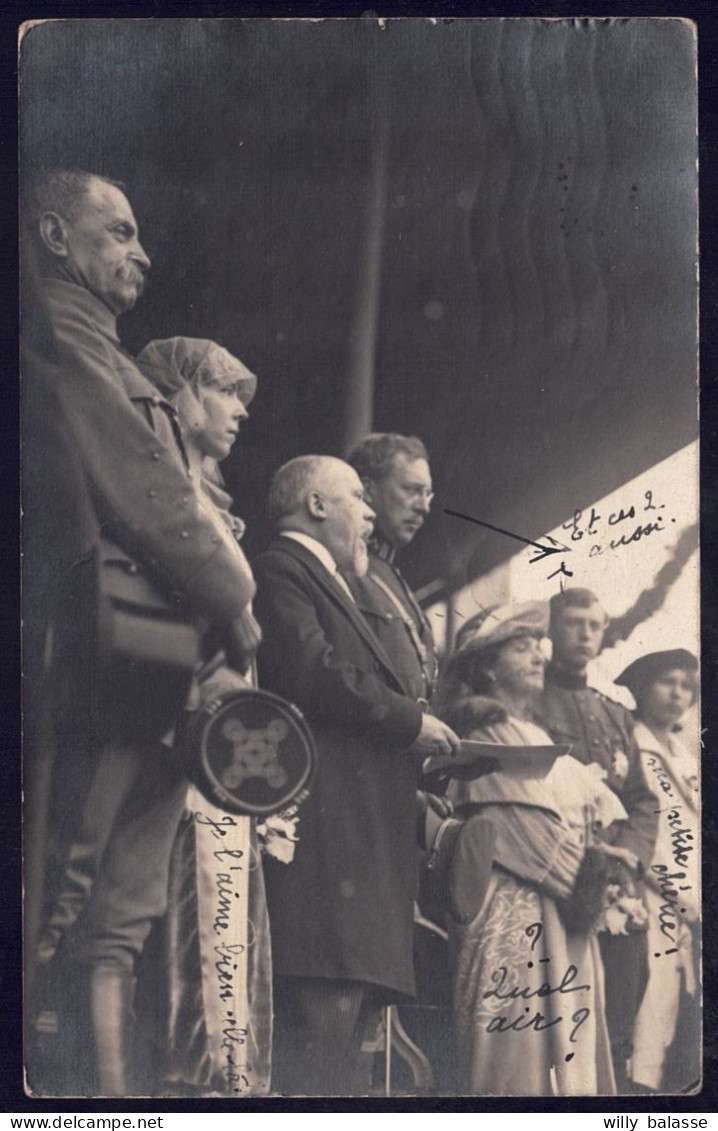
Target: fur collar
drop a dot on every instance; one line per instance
(470, 712)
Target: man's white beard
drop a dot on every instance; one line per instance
(360, 558)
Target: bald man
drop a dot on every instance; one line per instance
(342, 914)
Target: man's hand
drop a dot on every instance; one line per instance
(434, 737)
(439, 805)
(242, 641)
(623, 854)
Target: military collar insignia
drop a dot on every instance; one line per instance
(570, 681)
(380, 548)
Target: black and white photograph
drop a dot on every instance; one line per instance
(359, 390)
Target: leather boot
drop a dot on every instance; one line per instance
(112, 992)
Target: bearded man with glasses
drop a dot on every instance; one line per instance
(395, 473)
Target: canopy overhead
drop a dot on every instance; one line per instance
(534, 283)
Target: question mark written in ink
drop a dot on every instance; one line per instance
(578, 1019)
(534, 932)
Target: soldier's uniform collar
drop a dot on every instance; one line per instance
(380, 548)
(64, 289)
(571, 681)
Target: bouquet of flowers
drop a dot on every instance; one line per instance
(622, 908)
(604, 896)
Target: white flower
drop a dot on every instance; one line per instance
(619, 909)
(635, 908)
(615, 920)
(277, 834)
(620, 763)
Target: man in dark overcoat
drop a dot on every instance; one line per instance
(149, 525)
(342, 914)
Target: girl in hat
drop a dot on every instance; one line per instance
(527, 973)
(207, 1053)
(664, 686)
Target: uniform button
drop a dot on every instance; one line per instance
(185, 500)
(156, 455)
(592, 718)
(184, 534)
(132, 568)
(189, 474)
(214, 538)
(152, 493)
(595, 742)
(154, 400)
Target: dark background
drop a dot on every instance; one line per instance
(537, 304)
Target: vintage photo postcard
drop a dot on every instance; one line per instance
(360, 487)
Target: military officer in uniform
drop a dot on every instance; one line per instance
(396, 476)
(397, 483)
(395, 472)
(600, 731)
(149, 523)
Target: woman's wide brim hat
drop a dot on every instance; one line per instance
(172, 364)
(500, 623)
(647, 668)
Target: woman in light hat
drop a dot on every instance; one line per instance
(664, 686)
(527, 973)
(211, 390)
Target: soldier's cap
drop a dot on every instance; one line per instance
(173, 363)
(500, 623)
(645, 669)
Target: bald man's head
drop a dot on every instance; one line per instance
(323, 497)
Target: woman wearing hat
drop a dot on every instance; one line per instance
(528, 989)
(220, 1005)
(664, 686)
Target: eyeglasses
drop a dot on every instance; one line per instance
(417, 494)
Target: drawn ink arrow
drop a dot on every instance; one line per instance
(546, 551)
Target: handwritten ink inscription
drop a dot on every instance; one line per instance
(538, 1022)
(228, 963)
(670, 884)
(233, 1037)
(614, 531)
(617, 529)
(225, 966)
(504, 992)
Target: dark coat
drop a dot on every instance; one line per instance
(407, 638)
(344, 907)
(601, 730)
(127, 441)
(111, 471)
